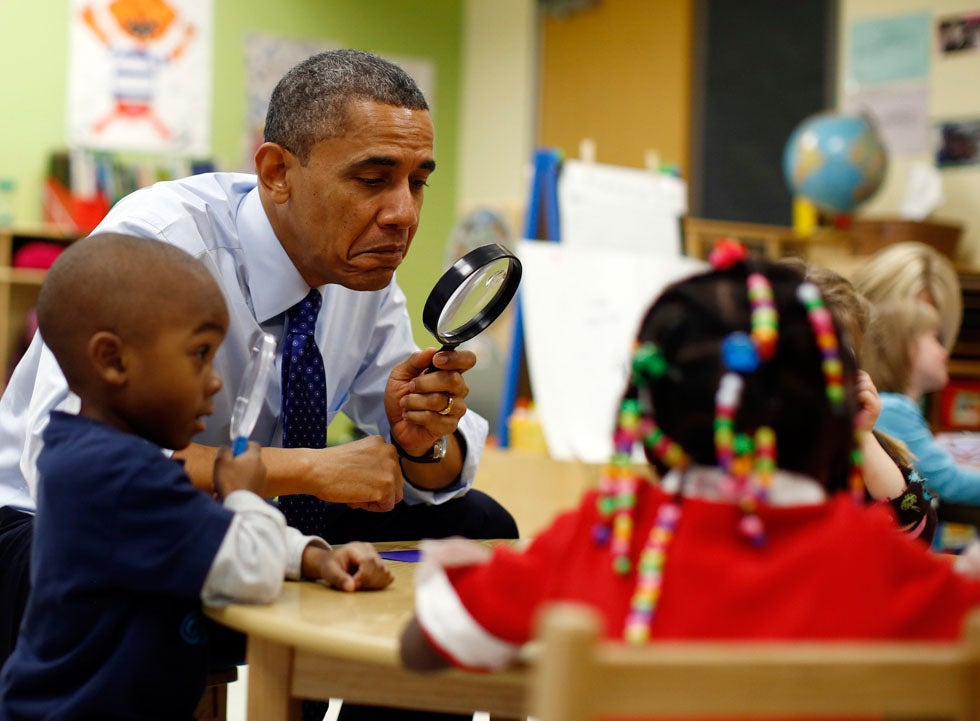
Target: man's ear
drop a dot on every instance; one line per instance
(106, 351)
(272, 161)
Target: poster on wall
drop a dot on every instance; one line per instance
(887, 78)
(139, 75)
(958, 33)
(900, 113)
(268, 57)
(888, 49)
(957, 143)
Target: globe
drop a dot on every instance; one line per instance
(835, 161)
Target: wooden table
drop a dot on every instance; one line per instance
(317, 643)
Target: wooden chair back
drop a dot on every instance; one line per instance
(578, 676)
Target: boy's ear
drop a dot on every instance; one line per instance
(105, 350)
(272, 161)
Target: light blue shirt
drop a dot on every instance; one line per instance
(902, 418)
(219, 219)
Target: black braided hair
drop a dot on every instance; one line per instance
(689, 322)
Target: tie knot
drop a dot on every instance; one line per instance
(302, 316)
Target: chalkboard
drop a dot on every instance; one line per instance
(761, 66)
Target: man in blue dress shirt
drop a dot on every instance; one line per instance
(333, 206)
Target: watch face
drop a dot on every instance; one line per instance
(440, 448)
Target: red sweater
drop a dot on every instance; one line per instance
(826, 571)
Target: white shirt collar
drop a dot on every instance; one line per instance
(275, 284)
(706, 483)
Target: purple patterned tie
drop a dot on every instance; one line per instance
(304, 404)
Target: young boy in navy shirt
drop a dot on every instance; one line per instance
(125, 548)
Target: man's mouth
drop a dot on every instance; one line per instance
(387, 250)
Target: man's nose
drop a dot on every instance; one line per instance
(401, 208)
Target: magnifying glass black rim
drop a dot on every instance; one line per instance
(455, 277)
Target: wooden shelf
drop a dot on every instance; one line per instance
(964, 368)
(19, 287)
(21, 276)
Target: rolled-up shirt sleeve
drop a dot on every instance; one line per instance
(250, 565)
(296, 543)
(258, 553)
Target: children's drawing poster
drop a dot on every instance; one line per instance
(139, 75)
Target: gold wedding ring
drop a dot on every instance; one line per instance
(449, 406)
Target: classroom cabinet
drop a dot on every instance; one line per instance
(19, 286)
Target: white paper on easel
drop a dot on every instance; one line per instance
(581, 310)
(608, 206)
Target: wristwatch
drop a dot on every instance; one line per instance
(435, 454)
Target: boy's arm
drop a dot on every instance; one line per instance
(250, 565)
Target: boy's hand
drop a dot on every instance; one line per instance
(236, 473)
(354, 566)
(869, 404)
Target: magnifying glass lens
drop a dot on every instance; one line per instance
(472, 297)
(471, 294)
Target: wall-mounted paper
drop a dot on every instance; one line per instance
(582, 308)
(900, 114)
(607, 206)
(887, 49)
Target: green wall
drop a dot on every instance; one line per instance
(33, 58)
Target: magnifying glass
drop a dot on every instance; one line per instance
(471, 294)
(252, 391)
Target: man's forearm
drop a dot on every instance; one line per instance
(286, 469)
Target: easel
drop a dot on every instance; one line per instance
(541, 223)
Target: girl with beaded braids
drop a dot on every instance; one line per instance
(745, 406)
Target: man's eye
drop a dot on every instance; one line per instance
(419, 184)
(370, 181)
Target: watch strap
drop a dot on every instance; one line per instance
(435, 454)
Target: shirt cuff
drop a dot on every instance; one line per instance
(474, 429)
(296, 544)
(249, 564)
